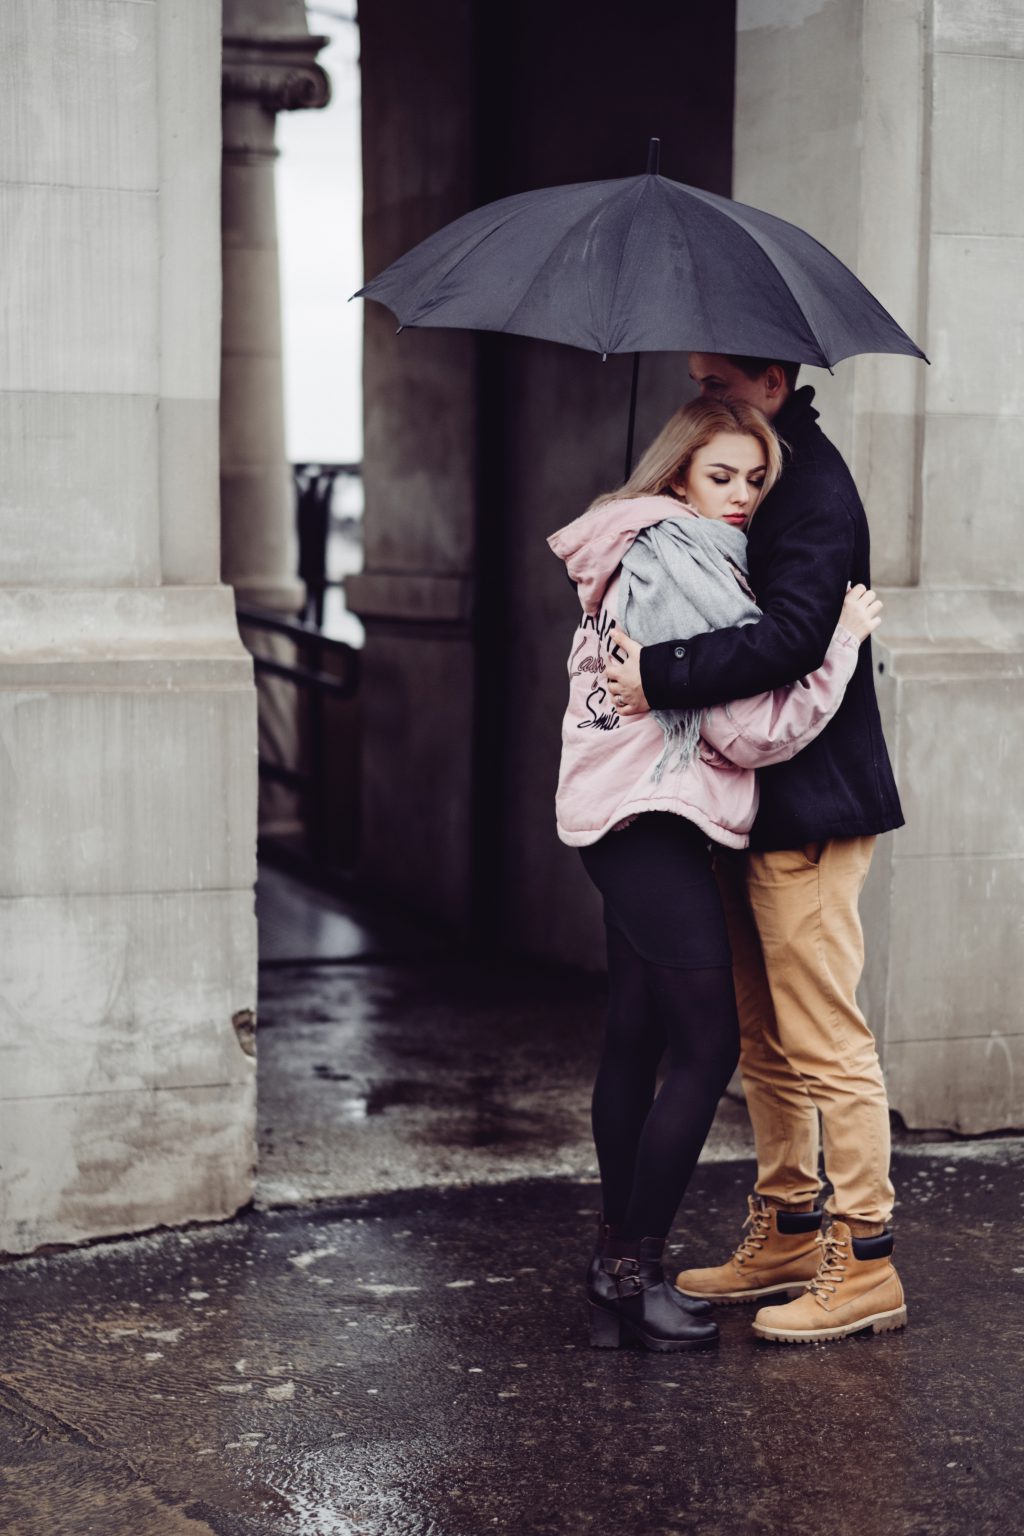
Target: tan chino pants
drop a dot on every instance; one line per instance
(798, 953)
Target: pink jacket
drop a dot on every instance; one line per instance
(608, 760)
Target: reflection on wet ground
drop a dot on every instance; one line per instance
(416, 1365)
(430, 1071)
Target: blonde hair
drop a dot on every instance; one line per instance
(689, 429)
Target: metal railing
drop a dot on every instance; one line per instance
(324, 672)
(314, 782)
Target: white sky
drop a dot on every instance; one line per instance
(319, 217)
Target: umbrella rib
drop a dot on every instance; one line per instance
(507, 218)
(752, 236)
(870, 297)
(677, 211)
(565, 235)
(641, 189)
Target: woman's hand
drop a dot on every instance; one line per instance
(623, 673)
(862, 612)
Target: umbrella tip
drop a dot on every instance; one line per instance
(653, 156)
(401, 328)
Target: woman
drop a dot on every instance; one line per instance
(644, 798)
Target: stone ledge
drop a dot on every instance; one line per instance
(936, 661)
(66, 624)
(128, 638)
(128, 674)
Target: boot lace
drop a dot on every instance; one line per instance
(831, 1267)
(759, 1222)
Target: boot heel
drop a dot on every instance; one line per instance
(897, 1319)
(605, 1329)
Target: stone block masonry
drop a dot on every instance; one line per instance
(127, 707)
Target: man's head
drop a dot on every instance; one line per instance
(762, 381)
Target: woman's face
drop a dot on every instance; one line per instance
(725, 478)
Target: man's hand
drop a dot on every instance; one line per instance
(624, 675)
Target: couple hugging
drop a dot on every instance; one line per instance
(724, 777)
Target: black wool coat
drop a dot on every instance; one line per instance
(807, 540)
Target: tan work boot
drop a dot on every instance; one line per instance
(779, 1254)
(856, 1288)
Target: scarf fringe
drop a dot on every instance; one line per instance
(681, 729)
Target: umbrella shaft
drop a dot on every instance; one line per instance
(632, 415)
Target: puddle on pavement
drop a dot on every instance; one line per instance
(468, 1114)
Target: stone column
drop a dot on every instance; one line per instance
(891, 129)
(420, 464)
(269, 66)
(127, 718)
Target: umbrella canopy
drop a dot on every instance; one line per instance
(642, 264)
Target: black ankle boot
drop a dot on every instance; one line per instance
(606, 1232)
(628, 1294)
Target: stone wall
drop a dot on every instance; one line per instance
(127, 719)
(892, 130)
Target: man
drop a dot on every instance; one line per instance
(792, 900)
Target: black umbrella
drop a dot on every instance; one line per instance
(643, 264)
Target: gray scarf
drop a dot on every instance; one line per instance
(684, 576)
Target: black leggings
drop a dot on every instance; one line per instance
(648, 1144)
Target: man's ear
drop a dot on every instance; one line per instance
(774, 380)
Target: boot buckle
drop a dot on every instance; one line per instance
(625, 1273)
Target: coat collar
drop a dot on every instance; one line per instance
(797, 416)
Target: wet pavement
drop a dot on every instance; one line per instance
(417, 1363)
(412, 1361)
